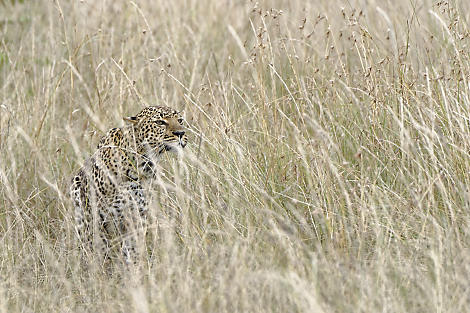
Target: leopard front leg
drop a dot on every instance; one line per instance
(130, 208)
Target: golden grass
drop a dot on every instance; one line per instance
(328, 167)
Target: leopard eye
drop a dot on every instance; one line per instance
(161, 122)
(180, 120)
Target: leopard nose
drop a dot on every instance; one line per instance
(179, 133)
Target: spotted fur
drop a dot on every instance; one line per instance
(108, 197)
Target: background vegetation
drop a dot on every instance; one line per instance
(328, 167)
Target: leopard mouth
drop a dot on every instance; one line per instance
(181, 142)
(172, 146)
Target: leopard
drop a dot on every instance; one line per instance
(108, 195)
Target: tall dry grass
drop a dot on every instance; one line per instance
(328, 167)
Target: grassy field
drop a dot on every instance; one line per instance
(327, 168)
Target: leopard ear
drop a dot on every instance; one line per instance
(131, 119)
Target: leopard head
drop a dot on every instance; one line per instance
(159, 129)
